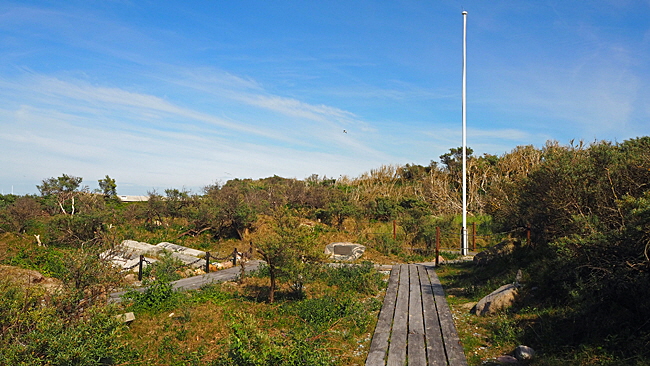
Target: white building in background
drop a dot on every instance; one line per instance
(134, 198)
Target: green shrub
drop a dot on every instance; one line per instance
(385, 244)
(74, 230)
(37, 333)
(159, 294)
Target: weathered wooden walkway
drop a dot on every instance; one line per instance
(415, 326)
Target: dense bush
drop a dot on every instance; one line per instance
(37, 332)
(589, 207)
(158, 293)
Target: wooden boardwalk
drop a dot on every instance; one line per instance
(415, 326)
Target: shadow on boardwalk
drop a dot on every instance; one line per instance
(415, 324)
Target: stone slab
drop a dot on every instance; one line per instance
(344, 251)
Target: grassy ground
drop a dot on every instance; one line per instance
(329, 321)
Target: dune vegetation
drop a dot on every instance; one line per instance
(579, 213)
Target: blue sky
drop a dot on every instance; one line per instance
(183, 94)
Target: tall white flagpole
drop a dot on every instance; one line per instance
(464, 249)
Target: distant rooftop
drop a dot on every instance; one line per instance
(134, 198)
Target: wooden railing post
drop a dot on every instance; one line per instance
(394, 230)
(207, 262)
(437, 245)
(234, 257)
(140, 267)
(474, 236)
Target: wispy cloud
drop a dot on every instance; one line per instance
(150, 139)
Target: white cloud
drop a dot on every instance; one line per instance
(69, 126)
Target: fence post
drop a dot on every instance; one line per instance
(234, 257)
(474, 236)
(394, 230)
(437, 245)
(207, 262)
(140, 267)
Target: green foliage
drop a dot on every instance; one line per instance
(63, 184)
(153, 212)
(48, 261)
(415, 172)
(319, 318)
(211, 293)
(322, 313)
(35, 333)
(75, 230)
(108, 188)
(20, 214)
(453, 160)
(175, 202)
(63, 190)
(360, 279)
(337, 209)
(382, 209)
(251, 347)
(286, 247)
(505, 330)
(385, 244)
(158, 294)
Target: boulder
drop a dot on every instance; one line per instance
(344, 251)
(504, 248)
(524, 353)
(500, 299)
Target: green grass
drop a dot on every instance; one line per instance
(330, 324)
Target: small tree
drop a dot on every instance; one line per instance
(64, 188)
(108, 188)
(286, 246)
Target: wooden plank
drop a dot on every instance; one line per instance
(397, 348)
(380, 339)
(453, 347)
(416, 323)
(378, 348)
(416, 349)
(434, 347)
(417, 355)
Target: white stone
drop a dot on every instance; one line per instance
(127, 254)
(174, 248)
(126, 317)
(140, 247)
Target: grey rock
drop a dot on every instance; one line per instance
(524, 353)
(504, 248)
(500, 299)
(507, 360)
